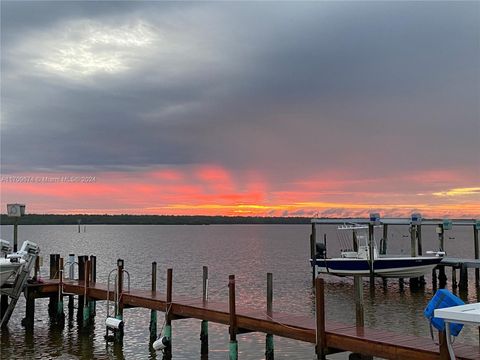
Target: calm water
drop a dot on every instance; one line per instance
(249, 252)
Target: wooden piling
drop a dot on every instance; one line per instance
(167, 352)
(71, 276)
(233, 347)
(358, 293)
(204, 324)
(476, 250)
(383, 249)
(93, 279)
(15, 235)
(269, 344)
(321, 340)
(82, 259)
(119, 302)
(86, 304)
(463, 285)
(371, 247)
(419, 240)
(29, 319)
(413, 240)
(454, 277)
(153, 313)
(442, 277)
(313, 241)
(54, 274)
(60, 314)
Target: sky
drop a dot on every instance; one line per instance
(329, 109)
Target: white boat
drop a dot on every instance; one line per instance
(11, 264)
(357, 262)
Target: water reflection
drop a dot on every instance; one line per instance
(249, 252)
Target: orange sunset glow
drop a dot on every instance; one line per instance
(212, 190)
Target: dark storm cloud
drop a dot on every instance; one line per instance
(274, 86)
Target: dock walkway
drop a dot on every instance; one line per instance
(338, 337)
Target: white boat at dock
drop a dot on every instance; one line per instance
(359, 262)
(12, 263)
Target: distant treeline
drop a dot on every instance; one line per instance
(51, 219)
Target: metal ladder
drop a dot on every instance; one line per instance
(19, 284)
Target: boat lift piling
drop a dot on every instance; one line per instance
(204, 323)
(233, 345)
(313, 243)
(153, 313)
(269, 345)
(167, 352)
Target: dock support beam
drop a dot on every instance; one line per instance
(167, 353)
(153, 313)
(233, 346)
(321, 340)
(204, 325)
(269, 345)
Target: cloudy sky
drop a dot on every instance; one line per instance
(241, 108)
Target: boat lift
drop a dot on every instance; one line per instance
(29, 253)
(115, 323)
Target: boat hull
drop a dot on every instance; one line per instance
(8, 269)
(401, 267)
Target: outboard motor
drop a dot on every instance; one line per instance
(321, 250)
(5, 247)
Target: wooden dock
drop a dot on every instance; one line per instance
(336, 337)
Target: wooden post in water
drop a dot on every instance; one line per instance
(313, 242)
(153, 313)
(119, 312)
(204, 324)
(54, 274)
(419, 240)
(415, 250)
(358, 291)
(269, 345)
(82, 259)
(86, 304)
(71, 276)
(442, 277)
(60, 314)
(15, 235)
(233, 346)
(167, 352)
(93, 279)
(454, 277)
(321, 340)
(29, 319)
(383, 249)
(463, 285)
(371, 250)
(476, 228)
